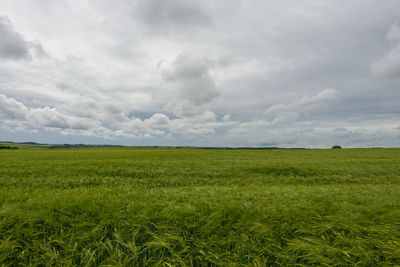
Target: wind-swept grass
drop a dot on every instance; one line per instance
(184, 207)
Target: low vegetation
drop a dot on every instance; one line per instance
(193, 207)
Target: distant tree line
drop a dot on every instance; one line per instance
(8, 147)
(79, 145)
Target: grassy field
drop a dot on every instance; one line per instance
(179, 207)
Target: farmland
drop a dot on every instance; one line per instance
(194, 207)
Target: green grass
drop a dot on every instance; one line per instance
(141, 207)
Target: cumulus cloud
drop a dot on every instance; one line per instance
(13, 112)
(172, 16)
(389, 65)
(16, 115)
(195, 89)
(13, 45)
(289, 124)
(158, 121)
(10, 109)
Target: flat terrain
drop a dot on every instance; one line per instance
(142, 207)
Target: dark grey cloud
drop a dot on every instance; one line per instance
(12, 44)
(172, 16)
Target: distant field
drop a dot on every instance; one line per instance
(141, 207)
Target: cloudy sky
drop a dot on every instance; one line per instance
(289, 73)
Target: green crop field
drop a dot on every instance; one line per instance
(196, 207)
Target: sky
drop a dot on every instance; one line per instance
(283, 73)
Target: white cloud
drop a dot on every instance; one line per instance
(10, 109)
(109, 125)
(389, 65)
(195, 89)
(158, 121)
(14, 113)
(307, 105)
(194, 92)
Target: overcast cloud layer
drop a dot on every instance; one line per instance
(206, 73)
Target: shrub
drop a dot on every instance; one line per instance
(336, 147)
